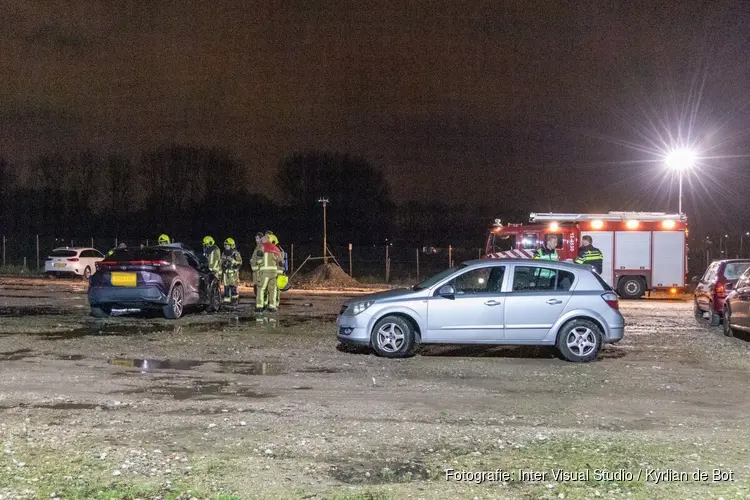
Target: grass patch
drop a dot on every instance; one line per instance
(18, 271)
(597, 466)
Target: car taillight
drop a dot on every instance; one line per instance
(155, 263)
(73, 259)
(611, 300)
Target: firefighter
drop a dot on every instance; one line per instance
(549, 250)
(275, 297)
(268, 272)
(213, 255)
(589, 254)
(231, 261)
(256, 259)
(164, 240)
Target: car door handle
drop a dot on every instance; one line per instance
(554, 302)
(492, 303)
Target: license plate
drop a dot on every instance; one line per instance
(60, 264)
(124, 279)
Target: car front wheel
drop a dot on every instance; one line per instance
(100, 312)
(392, 337)
(87, 273)
(174, 309)
(579, 341)
(214, 298)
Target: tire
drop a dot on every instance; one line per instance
(392, 337)
(631, 287)
(175, 306)
(579, 341)
(87, 273)
(214, 299)
(715, 319)
(697, 311)
(727, 322)
(100, 312)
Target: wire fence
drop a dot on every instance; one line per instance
(364, 263)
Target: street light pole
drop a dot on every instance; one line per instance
(680, 160)
(325, 202)
(742, 236)
(679, 209)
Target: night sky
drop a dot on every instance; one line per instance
(486, 102)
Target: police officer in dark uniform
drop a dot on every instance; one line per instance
(590, 255)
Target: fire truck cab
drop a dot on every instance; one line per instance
(642, 251)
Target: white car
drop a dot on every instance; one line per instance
(69, 261)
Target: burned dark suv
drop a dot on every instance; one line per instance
(171, 278)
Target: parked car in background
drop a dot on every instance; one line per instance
(170, 278)
(712, 288)
(72, 261)
(505, 301)
(736, 311)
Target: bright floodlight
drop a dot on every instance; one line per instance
(681, 159)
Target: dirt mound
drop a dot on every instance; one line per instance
(325, 276)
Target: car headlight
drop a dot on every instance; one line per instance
(358, 307)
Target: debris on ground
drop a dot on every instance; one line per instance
(325, 276)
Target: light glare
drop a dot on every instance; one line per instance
(681, 159)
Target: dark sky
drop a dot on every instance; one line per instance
(480, 102)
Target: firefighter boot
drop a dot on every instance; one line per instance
(235, 296)
(227, 294)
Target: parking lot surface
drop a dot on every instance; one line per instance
(238, 405)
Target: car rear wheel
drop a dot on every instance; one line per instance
(631, 287)
(715, 318)
(579, 341)
(392, 337)
(728, 330)
(697, 311)
(214, 298)
(100, 312)
(87, 273)
(174, 309)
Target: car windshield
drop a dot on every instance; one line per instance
(734, 270)
(123, 254)
(443, 274)
(63, 253)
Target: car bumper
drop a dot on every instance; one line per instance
(132, 297)
(63, 271)
(353, 329)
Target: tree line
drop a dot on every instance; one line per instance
(193, 191)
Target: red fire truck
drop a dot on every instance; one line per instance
(642, 250)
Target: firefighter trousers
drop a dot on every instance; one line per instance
(267, 291)
(230, 279)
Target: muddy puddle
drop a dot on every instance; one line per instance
(234, 367)
(200, 389)
(25, 311)
(379, 473)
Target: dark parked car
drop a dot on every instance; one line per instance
(171, 278)
(711, 290)
(737, 307)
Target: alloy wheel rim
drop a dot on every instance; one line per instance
(390, 337)
(177, 301)
(581, 341)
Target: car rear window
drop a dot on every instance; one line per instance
(733, 270)
(63, 253)
(123, 254)
(603, 283)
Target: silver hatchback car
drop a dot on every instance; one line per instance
(507, 301)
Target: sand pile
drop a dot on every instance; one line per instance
(325, 276)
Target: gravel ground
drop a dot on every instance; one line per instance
(237, 406)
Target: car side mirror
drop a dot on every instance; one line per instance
(447, 291)
(729, 286)
(695, 279)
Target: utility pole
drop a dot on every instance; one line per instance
(325, 202)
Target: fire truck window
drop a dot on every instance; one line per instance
(559, 240)
(529, 241)
(503, 242)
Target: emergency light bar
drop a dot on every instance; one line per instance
(611, 216)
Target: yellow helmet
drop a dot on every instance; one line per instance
(282, 281)
(230, 243)
(208, 241)
(273, 239)
(164, 240)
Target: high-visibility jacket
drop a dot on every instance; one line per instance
(213, 255)
(590, 255)
(545, 253)
(271, 259)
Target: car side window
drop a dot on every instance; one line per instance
(96, 253)
(193, 262)
(180, 259)
(534, 279)
(86, 253)
(565, 280)
(477, 281)
(710, 272)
